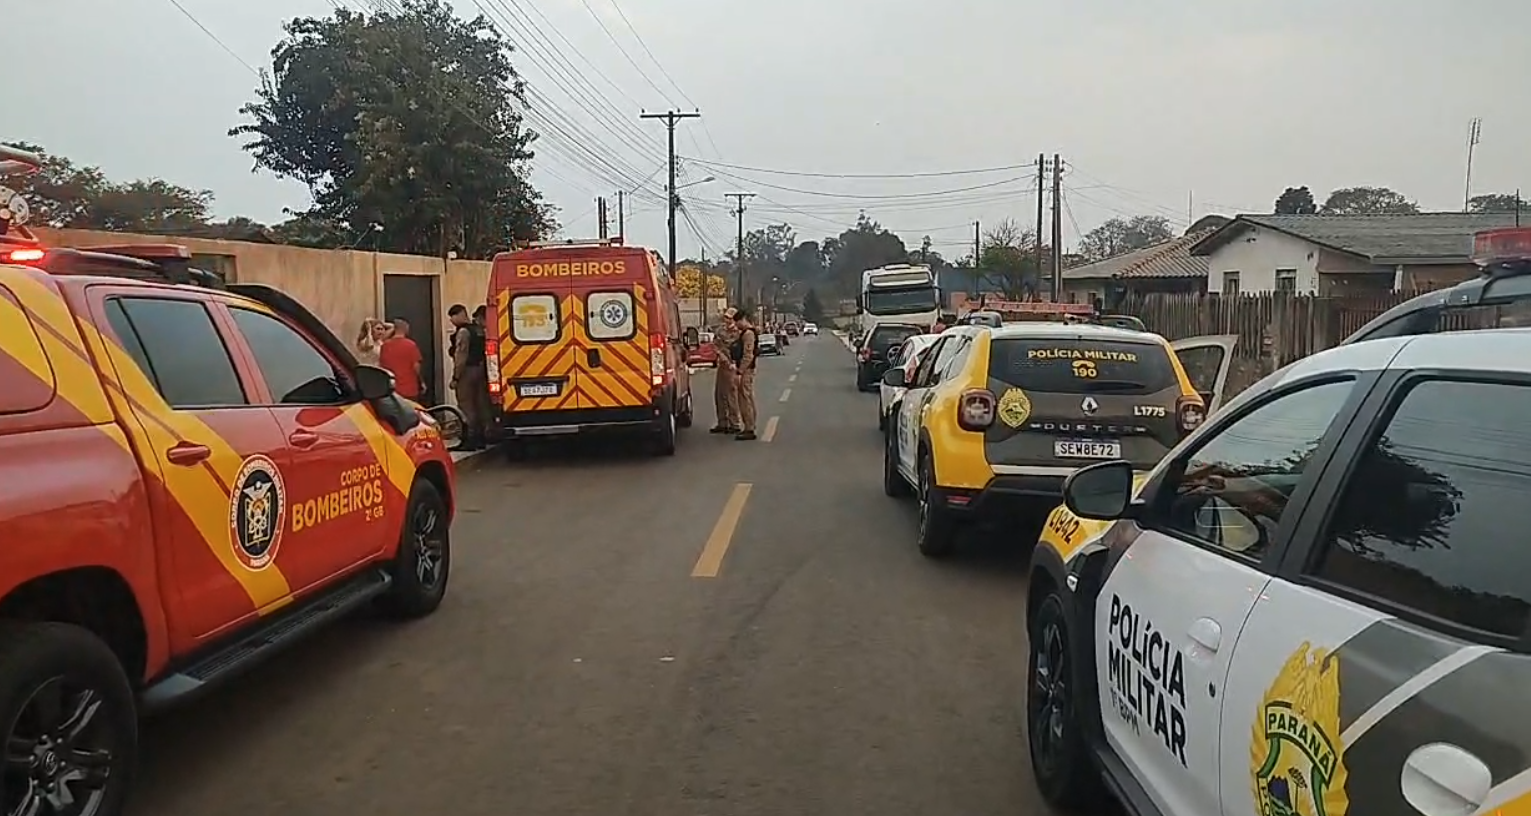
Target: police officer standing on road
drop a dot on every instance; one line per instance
(725, 388)
(470, 377)
(743, 352)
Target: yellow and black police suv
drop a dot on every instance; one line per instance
(993, 419)
(1317, 602)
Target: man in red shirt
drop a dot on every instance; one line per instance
(401, 356)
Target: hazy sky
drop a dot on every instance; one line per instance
(1149, 103)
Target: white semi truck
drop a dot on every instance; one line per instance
(900, 293)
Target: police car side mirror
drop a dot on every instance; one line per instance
(373, 383)
(1101, 492)
(893, 378)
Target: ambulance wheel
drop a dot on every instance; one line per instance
(424, 561)
(664, 435)
(70, 728)
(683, 419)
(1059, 758)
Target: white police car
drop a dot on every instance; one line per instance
(1318, 602)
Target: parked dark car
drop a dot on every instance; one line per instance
(872, 353)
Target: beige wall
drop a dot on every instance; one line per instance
(341, 287)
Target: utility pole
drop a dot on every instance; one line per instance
(739, 209)
(1041, 191)
(621, 215)
(1517, 206)
(1057, 227)
(670, 118)
(600, 209)
(1474, 130)
(977, 248)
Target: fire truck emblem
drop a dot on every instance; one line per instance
(257, 509)
(1297, 762)
(614, 314)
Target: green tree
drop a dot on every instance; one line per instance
(813, 309)
(1498, 203)
(865, 246)
(68, 196)
(805, 262)
(1008, 260)
(1122, 235)
(1296, 201)
(1367, 201)
(408, 119)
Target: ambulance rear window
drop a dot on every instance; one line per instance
(534, 318)
(27, 382)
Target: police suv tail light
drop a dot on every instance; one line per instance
(657, 368)
(492, 365)
(976, 409)
(1189, 414)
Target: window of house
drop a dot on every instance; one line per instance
(176, 345)
(1230, 283)
(1286, 280)
(1232, 491)
(1432, 518)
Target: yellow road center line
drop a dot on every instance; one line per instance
(785, 395)
(711, 560)
(770, 429)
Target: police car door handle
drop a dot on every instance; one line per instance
(1206, 633)
(1440, 779)
(188, 453)
(303, 440)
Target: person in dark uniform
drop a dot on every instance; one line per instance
(470, 377)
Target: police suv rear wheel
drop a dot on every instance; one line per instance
(938, 528)
(68, 720)
(1059, 759)
(423, 563)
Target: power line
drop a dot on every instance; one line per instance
(805, 174)
(214, 37)
(856, 197)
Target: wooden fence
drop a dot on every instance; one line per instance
(1273, 329)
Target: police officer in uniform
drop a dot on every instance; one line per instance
(725, 389)
(743, 352)
(470, 376)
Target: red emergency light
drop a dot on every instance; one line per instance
(1502, 246)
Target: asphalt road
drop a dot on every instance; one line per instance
(587, 659)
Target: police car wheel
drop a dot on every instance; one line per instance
(938, 528)
(67, 710)
(423, 563)
(1059, 760)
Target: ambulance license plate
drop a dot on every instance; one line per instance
(1087, 449)
(537, 390)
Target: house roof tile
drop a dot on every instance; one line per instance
(1380, 238)
(1169, 259)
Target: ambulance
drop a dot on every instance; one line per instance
(586, 336)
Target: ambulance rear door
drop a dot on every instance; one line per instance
(613, 364)
(536, 318)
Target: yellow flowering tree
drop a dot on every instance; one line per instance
(688, 282)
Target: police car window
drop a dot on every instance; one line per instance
(923, 370)
(1072, 366)
(1433, 517)
(178, 347)
(1233, 489)
(952, 357)
(295, 371)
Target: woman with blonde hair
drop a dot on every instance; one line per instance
(370, 340)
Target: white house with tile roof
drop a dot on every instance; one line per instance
(1342, 254)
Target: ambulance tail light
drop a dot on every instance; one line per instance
(976, 409)
(1190, 412)
(658, 371)
(29, 255)
(492, 366)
